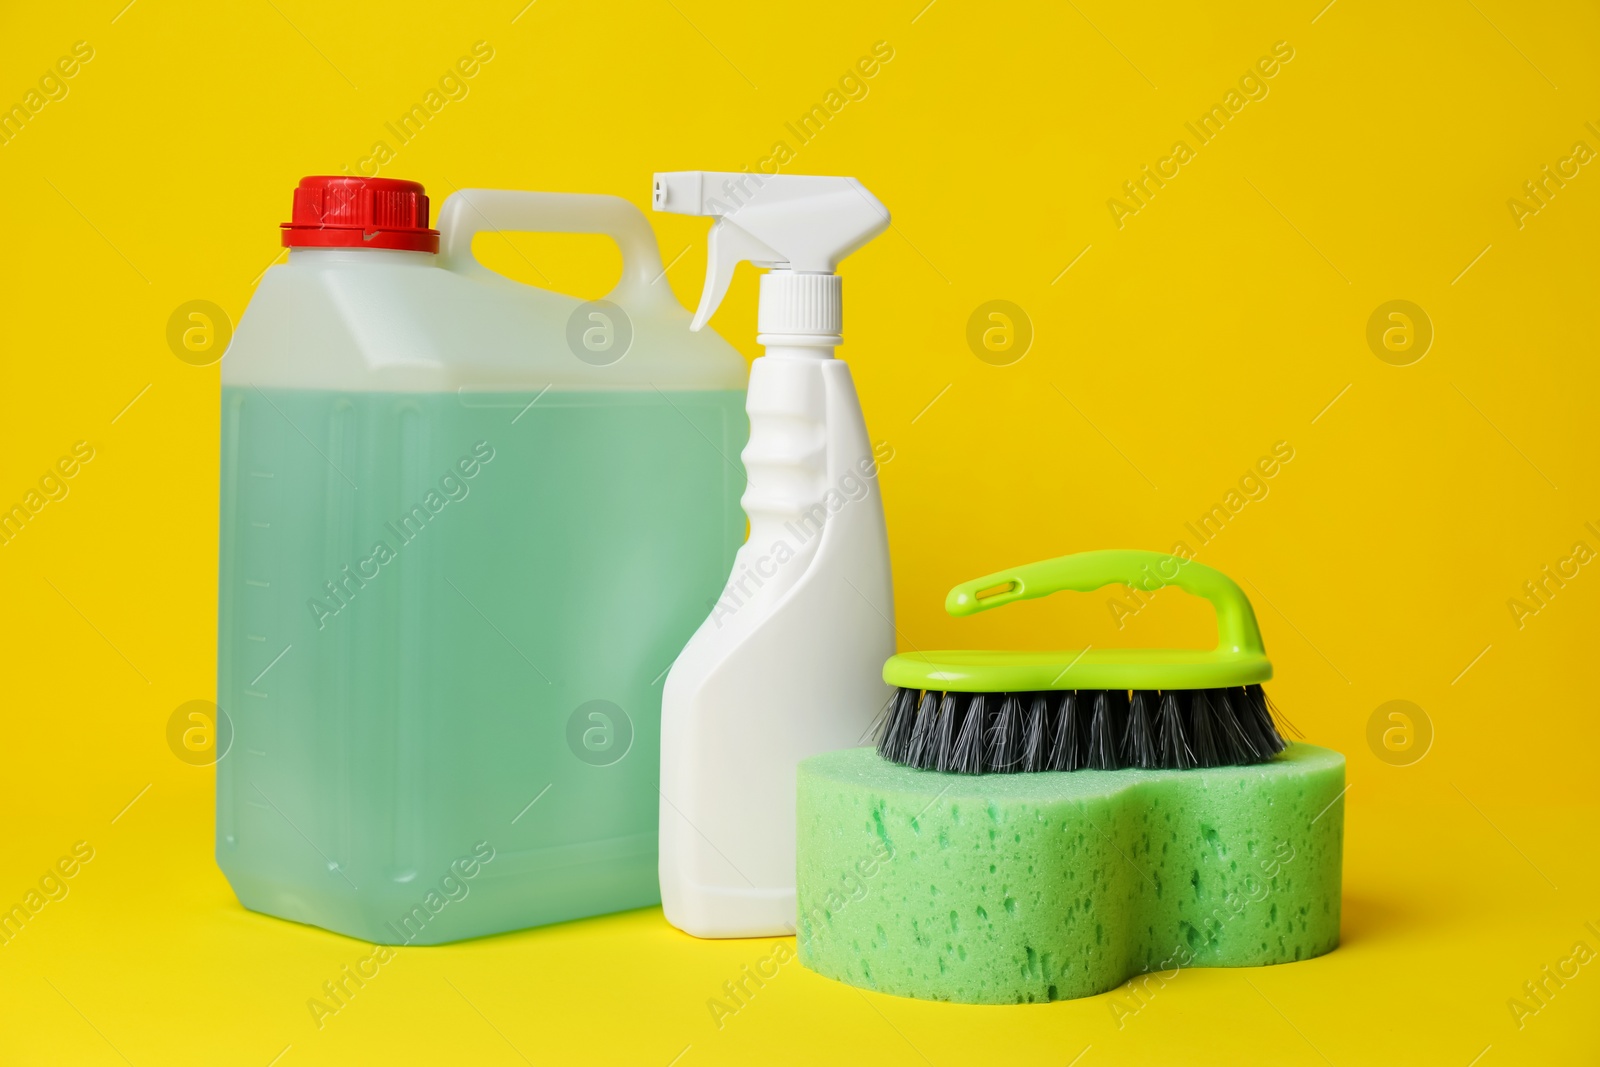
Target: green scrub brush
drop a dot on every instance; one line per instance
(978, 712)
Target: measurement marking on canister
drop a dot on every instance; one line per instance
(261, 525)
(255, 693)
(262, 474)
(255, 637)
(255, 752)
(258, 583)
(257, 804)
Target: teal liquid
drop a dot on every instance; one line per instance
(445, 622)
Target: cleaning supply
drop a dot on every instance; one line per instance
(978, 712)
(466, 526)
(788, 662)
(1013, 888)
(1215, 844)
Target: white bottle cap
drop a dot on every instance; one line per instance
(804, 304)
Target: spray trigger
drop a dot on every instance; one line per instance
(798, 223)
(727, 246)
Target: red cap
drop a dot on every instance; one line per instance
(341, 212)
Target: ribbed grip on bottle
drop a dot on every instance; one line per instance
(793, 303)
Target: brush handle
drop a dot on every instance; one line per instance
(1084, 572)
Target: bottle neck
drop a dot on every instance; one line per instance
(796, 346)
(363, 257)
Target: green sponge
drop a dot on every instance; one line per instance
(1011, 888)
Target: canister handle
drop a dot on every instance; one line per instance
(469, 212)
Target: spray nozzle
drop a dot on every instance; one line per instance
(797, 223)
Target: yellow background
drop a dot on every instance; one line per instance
(1225, 316)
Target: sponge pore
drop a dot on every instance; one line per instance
(1013, 888)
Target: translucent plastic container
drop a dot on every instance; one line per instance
(461, 543)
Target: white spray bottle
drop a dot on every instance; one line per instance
(790, 663)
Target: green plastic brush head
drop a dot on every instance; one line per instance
(1086, 708)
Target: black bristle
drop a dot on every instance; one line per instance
(968, 755)
(1102, 729)
(1256, 747)
(945, 730)
(1078, 708)
(1107, 723)
(1035, 741)
(882, 723)
(1118, 705)
(1266, 721)
(1237, 726)
(1259, 710)
(895, 733)
(1171, 741)
(1064, 738)
(1003, 737)
(1202, 729)
(921, 743)
(1139, 741)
